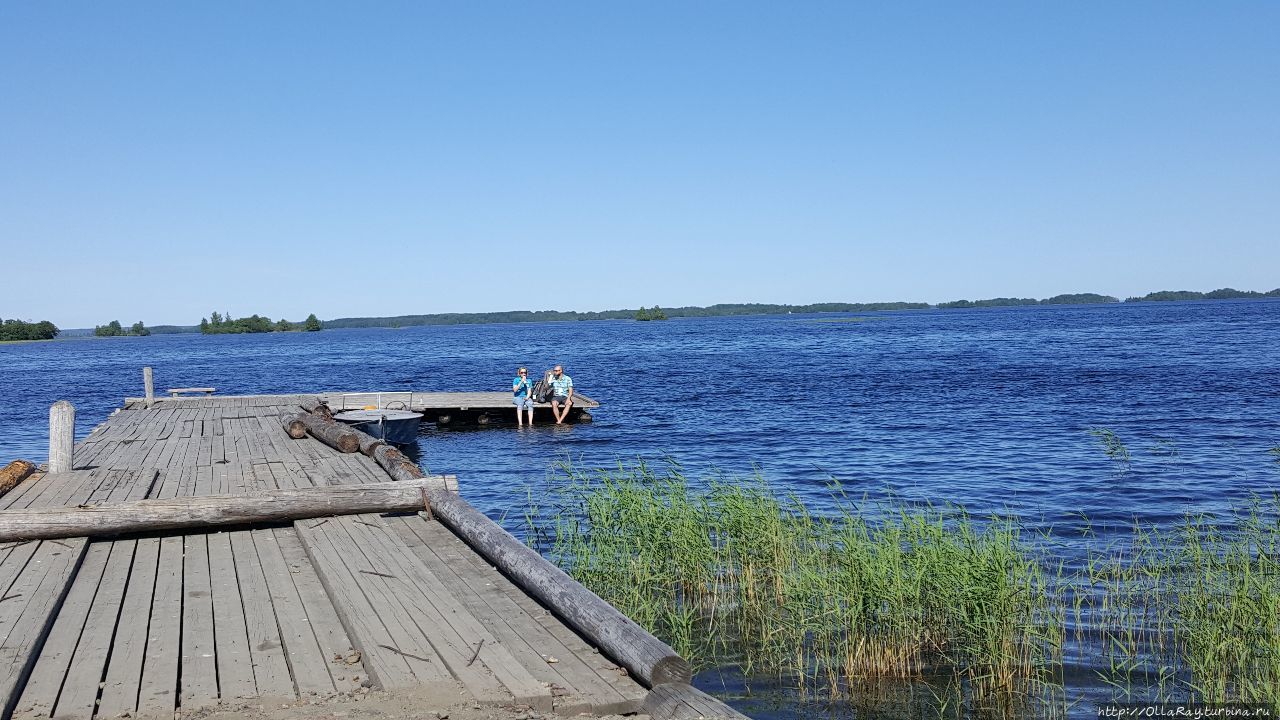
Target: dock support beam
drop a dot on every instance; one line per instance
(62, 436)
(149, 386)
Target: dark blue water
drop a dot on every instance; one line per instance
(989, 408)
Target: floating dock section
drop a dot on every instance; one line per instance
(442, 408)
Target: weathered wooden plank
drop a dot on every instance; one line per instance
(270, 667)
(193, 450)
(186, 480)
(320, 612)
(231, 641)
(307, 662)
(158, 692)
(377, 635)
(41, 692)
(111, 478)
(204, 481)
(18, 554)
(583, 687)
(26, 488)
(26, 618)
(502, 591)
(199, 668)
(128, 650)
(80, 694)
(204, 455)
(474, 656)
(644, 655)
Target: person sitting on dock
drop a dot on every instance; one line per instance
(561, 395)
(522, 394)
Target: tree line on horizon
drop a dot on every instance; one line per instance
(21, 330)
(223, 324)
(1091, 298)
(115, 329)
(645, 315)
(515, 316)
(219, 324)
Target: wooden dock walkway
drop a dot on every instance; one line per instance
(164, 623)
(438, 407)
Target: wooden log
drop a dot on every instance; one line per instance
(14, 473)
(215, 510)
(368, 443)
(148, 386)
(678, 701)
(647, 658)
(396, 464)
(331, 433)
(293, 425)
(317, 406)
(62, 436)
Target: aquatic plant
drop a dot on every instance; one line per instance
(863, 595)
(1111, 444)
(735, 571)
(1164, 447)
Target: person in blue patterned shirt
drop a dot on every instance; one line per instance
(522, 394)
(561, 394)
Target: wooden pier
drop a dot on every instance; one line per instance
(162, 623)
(442, 408)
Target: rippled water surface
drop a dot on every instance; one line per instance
(990, 408)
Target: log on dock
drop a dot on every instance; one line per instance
(294, 425)
(396, 463)
(677, 701)
(368, 443)
(317, 406)
(332, 433)
(646, 657)
(14, 473)
(216, 510)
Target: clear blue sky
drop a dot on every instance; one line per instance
(162, 160)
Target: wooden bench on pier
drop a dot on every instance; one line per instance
(177, 392)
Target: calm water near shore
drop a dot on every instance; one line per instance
(987, 408)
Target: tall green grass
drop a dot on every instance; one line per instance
(859, 594)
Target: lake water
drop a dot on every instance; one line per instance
(989, 408)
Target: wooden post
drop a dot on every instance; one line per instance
(149, 386)
(62, 436)
(648, 659)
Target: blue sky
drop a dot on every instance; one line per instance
(161, 160)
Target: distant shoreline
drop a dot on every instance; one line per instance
(724, 310)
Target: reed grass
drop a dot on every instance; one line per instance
(861, 593)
